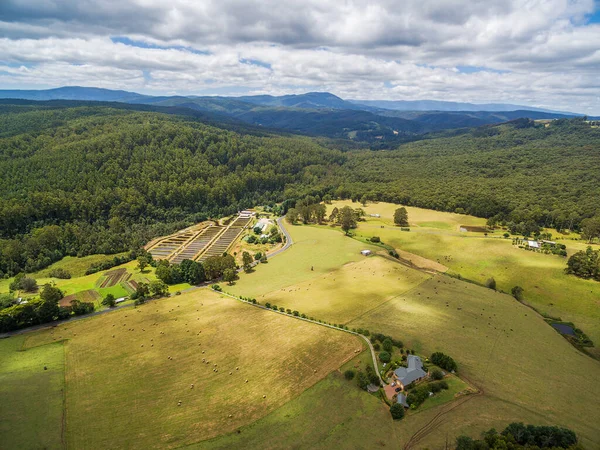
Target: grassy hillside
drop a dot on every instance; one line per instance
(507, 350)
(129, 369)
(436, 236)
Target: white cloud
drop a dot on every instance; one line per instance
(538, 52)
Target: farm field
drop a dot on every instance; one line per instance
(478, 258)
(132, 389)
(117, 281)
(352, 290)
(505, 348)
(321, 250)
(31, 398)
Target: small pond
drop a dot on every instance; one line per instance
(563, 328)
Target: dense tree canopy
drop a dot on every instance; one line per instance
(98, 179)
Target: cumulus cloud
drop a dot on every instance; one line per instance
(534, 52)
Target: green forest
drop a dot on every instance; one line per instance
(103, 179)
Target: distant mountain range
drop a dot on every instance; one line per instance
(379, 123)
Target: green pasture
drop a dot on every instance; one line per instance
(118, 369)
(315, 252)
(503, 347)
(31, 398)
(347, 292)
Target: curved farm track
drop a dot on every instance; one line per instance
(439, 417)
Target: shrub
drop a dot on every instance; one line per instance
(349, 374)
(436, 374)
(109, 301)
(375, 239)
(376, 346)
(517, 292)
(216, 287)
(60, 273)
(385, 357)
(397, 411)
(491, 283)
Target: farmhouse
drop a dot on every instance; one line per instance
(414, 372)
(365, 252)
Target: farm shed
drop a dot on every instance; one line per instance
(533, 244)
(365, 252)
(401, 398)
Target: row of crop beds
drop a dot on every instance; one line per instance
(113, 277)
(221, 245)
(241, 222)
(200, 242)
(166, 247)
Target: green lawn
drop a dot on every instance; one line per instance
(131, 388)
(31, 398)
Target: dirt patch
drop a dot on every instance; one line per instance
(420, 262)
(89, 296)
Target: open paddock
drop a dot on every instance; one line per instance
(198, 349)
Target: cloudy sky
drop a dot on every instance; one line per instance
(543, 53)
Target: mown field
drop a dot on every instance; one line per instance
(526, 370)
(315, 252)
(478, 258)
(118, 370)
(31, 398)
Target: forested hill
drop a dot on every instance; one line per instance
(110, 179)
(96, 179)
(519, 171)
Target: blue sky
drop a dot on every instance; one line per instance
(542, 53)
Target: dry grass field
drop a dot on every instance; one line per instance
(126, 371)
(526, 370)
(478, 258)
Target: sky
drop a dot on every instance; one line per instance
(543, 53)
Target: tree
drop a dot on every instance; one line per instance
(364, 200)
(349, 374)
(590, 229)
(141, 292)
(347, 219)
(491, 283)
(320, 211)
(23, 283)
(436, 374)
(229, 275)
(517, 292)
(109, 301)
(142, 262)
(334, 216)
(401, 217)
(443, 361)
(48, 309)
(385, 357)
(247, 261)
(387, 345)
(292, 216)
(158, 288)
(397, 411)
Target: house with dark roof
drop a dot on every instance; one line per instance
(414, 372)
